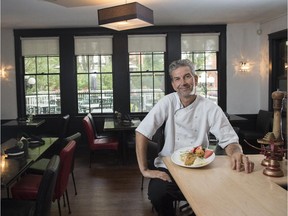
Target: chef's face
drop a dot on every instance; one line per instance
(183, 81)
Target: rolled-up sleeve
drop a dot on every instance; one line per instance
(154, 119)
(222, 129)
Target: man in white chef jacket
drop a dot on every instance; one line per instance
(188, 119)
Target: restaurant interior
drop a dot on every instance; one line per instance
(76, 82)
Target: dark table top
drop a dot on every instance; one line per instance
(233, 117)
(12, 167)
(111, 124)
(18, 123)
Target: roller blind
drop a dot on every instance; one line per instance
(200, 42)
(96, 45)
(147, 43)
(40, 46)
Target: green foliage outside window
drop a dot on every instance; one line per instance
(42, 85)
(95, 83)
(146, 80)
(206, 69)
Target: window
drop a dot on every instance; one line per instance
(90, 68)
(94, 74)
(42, 75)
(202, 50)
(146, 69)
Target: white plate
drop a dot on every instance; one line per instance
(177, 159)
(15, 153)
(34, 141)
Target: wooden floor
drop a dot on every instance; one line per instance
(106, 188)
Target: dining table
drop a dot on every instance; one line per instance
(12, 167)
(216, 189)
(234, 118)
(24, 123)
(19, 127)
(123, 129)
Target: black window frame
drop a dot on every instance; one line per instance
(100, 100)
(37, 110)
(120, 63)
(142, 72)
(205, 70)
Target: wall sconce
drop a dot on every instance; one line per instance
(4, 71)
(244, 66)
(4, 165)
(4, 74)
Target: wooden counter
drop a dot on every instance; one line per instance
(216, 189)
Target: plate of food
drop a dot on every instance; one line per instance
(193, 157)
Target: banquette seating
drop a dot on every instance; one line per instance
(262, 125)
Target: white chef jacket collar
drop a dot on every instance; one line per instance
(179, 105)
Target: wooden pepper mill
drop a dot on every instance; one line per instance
(274, 139)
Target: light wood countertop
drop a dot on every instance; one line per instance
(217, 190)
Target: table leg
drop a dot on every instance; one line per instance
(8, 192)
(123, 147)
(123, 138)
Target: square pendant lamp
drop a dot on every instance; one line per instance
(124, 17)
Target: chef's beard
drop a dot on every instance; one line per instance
(193, 92)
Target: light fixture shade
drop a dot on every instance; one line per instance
(124, 17)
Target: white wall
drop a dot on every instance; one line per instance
(246, 92)
(8, 84)
(243, 87)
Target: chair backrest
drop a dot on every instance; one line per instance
(155, 146)
(64, 127)
(47, 186)
(264, 121)
(159, 138)
(88, 128)
(93, 124)
(76, 137)
(66, 158)
(152, 152)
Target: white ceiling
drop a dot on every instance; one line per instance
(83, 13)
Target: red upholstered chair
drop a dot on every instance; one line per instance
(95, 129)
(76, 137)
(66, 158)
(107, 143)
(27, 187)
(39, 166)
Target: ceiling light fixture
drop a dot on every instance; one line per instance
(127, 16)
